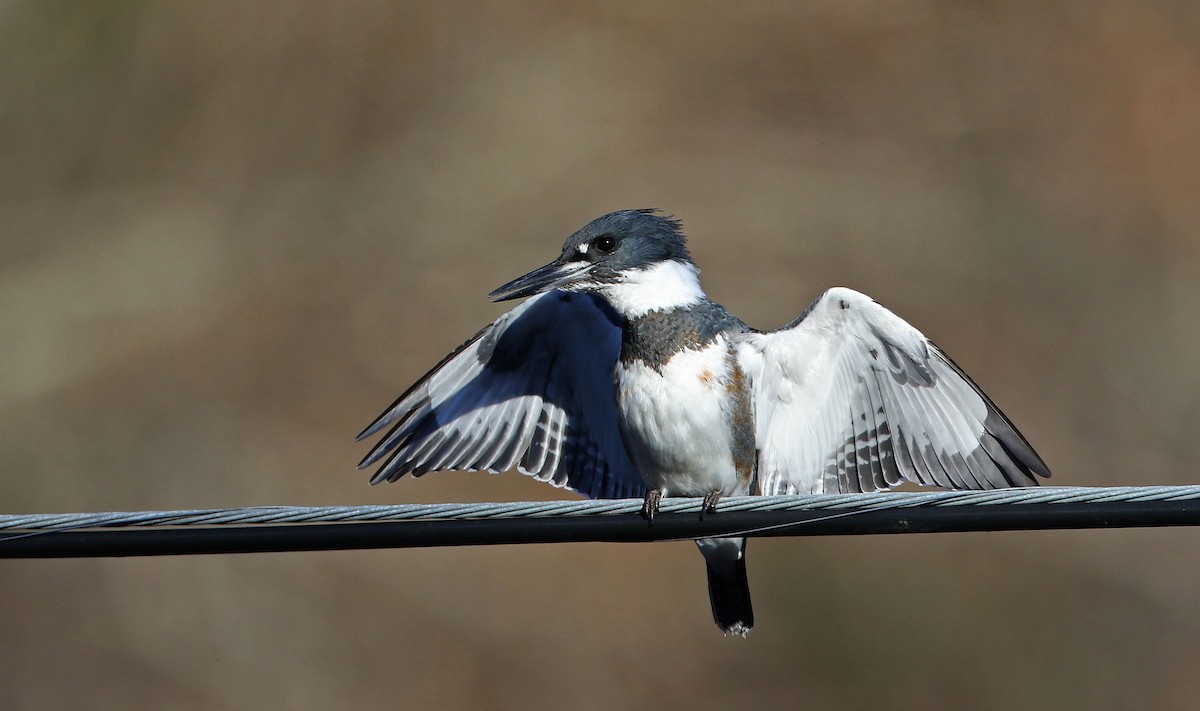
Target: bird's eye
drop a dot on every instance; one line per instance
(605, 244)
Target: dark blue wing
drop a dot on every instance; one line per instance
(534, 391)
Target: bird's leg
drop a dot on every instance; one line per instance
(710, 503)
(651, 504)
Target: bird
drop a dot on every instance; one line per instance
(617, 377)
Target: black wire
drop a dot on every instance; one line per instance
(564, 529)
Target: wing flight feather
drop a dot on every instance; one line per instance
(532, 390)
(850, 397)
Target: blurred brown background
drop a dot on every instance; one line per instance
(230, 233)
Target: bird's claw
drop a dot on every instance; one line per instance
(651, 505)
(710, 503)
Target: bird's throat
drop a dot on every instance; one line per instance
(661, 287)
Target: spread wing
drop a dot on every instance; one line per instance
(850, 397)
(533, 390)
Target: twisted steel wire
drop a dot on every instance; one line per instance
(876, 501)
(314, 528)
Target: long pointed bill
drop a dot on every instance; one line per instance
(551, 276)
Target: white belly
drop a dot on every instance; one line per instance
(676, 423)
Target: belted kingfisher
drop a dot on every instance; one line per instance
(619, 378)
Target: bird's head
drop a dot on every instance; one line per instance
(609, 252)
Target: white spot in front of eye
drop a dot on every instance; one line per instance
(583, 248)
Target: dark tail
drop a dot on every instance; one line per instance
(728, 586)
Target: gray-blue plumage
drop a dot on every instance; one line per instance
(642, 237)
(658, 335)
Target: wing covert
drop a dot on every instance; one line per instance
(850, 397)
(532, 390)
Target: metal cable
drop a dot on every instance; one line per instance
(343, 527)
(876, 501)
(303, 528)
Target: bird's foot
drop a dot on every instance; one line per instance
(710, 503)
(651, 505)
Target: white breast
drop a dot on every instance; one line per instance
(676, 423)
